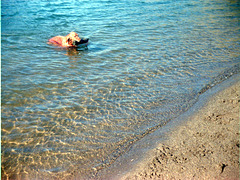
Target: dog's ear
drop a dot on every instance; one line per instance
(69, 41)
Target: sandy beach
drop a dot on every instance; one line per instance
(203, 145)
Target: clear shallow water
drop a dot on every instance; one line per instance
(68, 111)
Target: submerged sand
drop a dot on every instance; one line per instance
(205, 145)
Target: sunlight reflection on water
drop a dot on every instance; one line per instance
(68, 111)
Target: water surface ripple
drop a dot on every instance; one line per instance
(67, 111)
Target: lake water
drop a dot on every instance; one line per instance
(75, 111)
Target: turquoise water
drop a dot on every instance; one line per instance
(74, 111)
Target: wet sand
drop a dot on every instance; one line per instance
(203, 143)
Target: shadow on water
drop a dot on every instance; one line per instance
(71, 52)
(76, 53)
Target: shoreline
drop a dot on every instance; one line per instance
(202, 143)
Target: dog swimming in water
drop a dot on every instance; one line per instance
(71, 40)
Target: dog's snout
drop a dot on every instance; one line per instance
(82, 41)
(85, 40)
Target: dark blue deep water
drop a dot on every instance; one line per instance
(69, 111)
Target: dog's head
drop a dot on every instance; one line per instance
(74, 40)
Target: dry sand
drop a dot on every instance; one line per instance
(204, 145)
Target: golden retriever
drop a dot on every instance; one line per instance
(71, 40)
